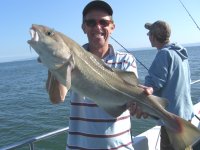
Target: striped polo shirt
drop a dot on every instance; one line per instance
(90, 127)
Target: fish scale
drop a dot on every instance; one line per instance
(88, 75)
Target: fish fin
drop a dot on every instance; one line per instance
(68, 77)
(159, 100)
(115, 111)
(128, 77)
(66, 69)
(70, 66)
(186, 135)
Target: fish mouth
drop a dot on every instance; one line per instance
(34, 35)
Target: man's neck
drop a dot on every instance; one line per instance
(101, 52)
(161, 45)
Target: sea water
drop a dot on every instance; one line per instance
(26, 111)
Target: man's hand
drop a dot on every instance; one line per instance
(135, 109)
(147, 90)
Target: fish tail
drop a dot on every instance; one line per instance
(185, 136)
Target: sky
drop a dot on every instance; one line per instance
(65, 16)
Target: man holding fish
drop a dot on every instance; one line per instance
(99, 118)
(90, 127)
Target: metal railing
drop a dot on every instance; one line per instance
(30, 142)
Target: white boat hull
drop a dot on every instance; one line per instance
(150, 139)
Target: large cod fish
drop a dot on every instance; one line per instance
(110, 89)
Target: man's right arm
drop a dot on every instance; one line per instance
(56, 90)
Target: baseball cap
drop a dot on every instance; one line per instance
(160, 29)
(98, 4)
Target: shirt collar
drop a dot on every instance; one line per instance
(111, 51)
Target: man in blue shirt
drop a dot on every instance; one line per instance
(169, 75)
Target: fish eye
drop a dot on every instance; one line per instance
(50, 33)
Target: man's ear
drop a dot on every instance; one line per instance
(112, 27)
(83, 28)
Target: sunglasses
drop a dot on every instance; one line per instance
(102, 22)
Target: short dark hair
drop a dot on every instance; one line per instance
(97, 4)
(160, 29)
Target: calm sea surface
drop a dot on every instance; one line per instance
(25, 110)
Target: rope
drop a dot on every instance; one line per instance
(193, 82)
(196, 81)
(129, 52)
(197, 117)
(189, 15)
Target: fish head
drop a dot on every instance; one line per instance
(50, 46)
